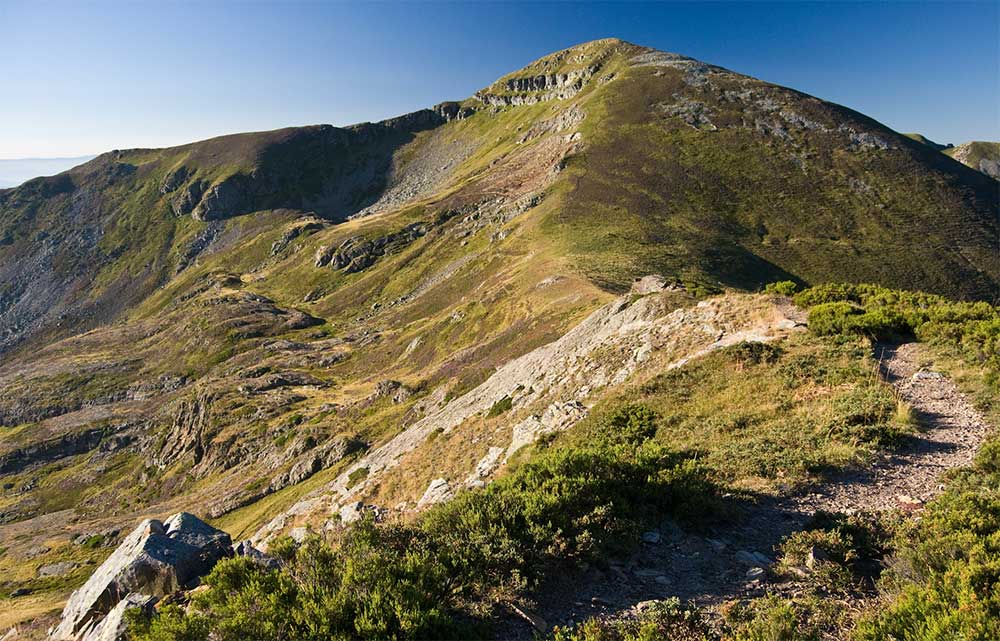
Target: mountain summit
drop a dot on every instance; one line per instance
(284, 331)
(647, 162)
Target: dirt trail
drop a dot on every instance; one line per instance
(713, 568)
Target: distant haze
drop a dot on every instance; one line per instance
(15, 171)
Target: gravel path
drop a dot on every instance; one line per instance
(711, 569)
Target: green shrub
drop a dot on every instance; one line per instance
(945, 576)
(781, 288)
(754, 352)
(627, 425)
(658, 621)
(836, 553)
(972, 327)
(357, 476)
(501, 406)
(841, 317)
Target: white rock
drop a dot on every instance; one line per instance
(114, 627)
(438, 491)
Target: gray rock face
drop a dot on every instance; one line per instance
(438, 491)
(56, 569)
(174, 180)
(357, 253)
(990, 167)
(155, 559)
(224, 200)
(187, 200)
(114, 627)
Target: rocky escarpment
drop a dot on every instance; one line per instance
(549, 387)
(534, 89)
(336, 170)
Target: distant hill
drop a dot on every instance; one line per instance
(927, 141)
(14, 171)
(980, 155)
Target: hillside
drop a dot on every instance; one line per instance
(982, 156)
(285, 331)
(927, 141)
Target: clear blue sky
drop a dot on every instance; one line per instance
(84, 77)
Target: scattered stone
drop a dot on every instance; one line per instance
(814, 556)
(20, 592)
(352, 512)
(56, 569)
(537, 622)
(299, 534)
(555, 418)
(246, 549)
(652, 537)
(437, 492)
(908, 503)
(716, 544)
(394, 390)
(755, 574)
(486, 466)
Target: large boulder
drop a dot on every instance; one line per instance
(155, 559)
(114, 627)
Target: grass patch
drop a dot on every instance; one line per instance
(768, 417)
(503, 405)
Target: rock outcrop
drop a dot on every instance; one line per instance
(155, 559)
(114, 627)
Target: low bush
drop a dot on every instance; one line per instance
(782, 288)
(972, 327)
(503, 405)
(658, 621)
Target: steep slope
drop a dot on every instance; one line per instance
(726, 180)
(250, 323)
(982, 156)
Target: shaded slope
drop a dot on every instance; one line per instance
(709, 176)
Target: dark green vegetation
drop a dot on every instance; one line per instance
(943, 580)
(973, 328)
(750, 184)
(434, 579)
